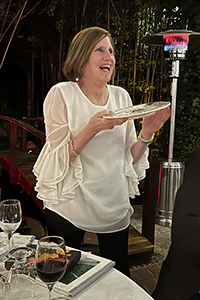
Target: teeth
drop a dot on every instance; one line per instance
(105, 67)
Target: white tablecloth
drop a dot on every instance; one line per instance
(111, 286)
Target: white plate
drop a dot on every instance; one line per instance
(138, 111)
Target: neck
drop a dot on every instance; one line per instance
(96, 95)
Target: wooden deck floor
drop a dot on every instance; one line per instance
(138, 244)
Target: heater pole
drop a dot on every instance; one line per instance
(174, 75)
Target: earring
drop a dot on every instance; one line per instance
(77, 79)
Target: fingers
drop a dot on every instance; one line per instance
(167, 113)
(164, 114)
(98, 123)
(160, 116)
(156, 121)
(103, 113)
(112, 121)
(115, 122)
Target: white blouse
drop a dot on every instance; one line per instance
(93, 191)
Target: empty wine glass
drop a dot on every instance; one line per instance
(50, 260)
(21, 264)
(22, 274)
(10, 217)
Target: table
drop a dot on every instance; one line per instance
(113, 285)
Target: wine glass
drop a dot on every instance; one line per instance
(10, 217)
(50, 260)
(22, 274)
(21, 265)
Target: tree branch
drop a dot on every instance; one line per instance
(12, 35)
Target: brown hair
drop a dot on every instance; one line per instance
(80, 49)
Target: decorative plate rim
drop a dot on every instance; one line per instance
(138, 111)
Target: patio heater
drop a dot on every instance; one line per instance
(175, 44)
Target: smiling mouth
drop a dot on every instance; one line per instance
(105, 68)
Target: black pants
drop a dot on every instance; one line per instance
(113, 246)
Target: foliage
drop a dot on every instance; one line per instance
(46, 29)
(187, 133)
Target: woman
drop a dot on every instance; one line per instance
(90, 165)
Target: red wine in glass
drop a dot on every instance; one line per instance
(51, 270)
(50, 260)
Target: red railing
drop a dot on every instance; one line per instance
(11, 166)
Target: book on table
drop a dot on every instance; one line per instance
(87, 270)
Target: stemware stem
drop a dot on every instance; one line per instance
(50, 288)
(10, 241)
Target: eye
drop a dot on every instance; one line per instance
(99, 49)
(111, 51)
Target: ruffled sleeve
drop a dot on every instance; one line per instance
(56, 177)
(134, 172)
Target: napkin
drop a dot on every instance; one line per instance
(23, 240)
(17, 239)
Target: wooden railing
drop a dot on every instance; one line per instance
(13, 142)
(10, 162)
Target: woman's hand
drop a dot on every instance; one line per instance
(154, 122)
(98, 123)
(150, 125)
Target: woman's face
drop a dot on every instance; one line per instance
(101, 63)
